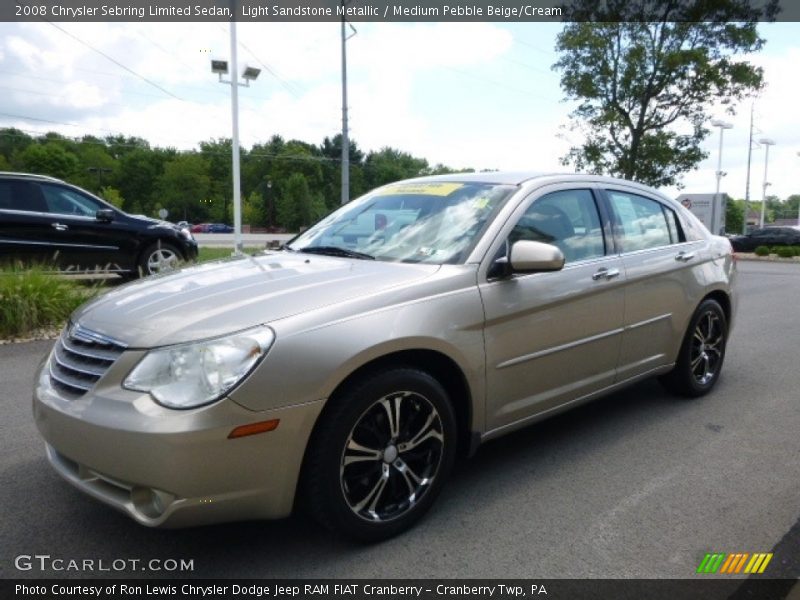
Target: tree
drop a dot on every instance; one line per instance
(295, 206)
(217, 155)
(184, 183)
(13, 141)
(48, 159)
(112, 196)
(734, 215)
(253, 212)
(647, 74)
(793, 204)
(389, 164)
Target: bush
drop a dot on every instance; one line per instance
(762, 251)
(31, 299)
(785, 252)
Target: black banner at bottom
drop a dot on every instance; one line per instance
(384, 589)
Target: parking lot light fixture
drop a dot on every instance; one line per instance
(720, 174)
(766, 142)
(249, 74)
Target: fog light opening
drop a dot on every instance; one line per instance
(150, 502)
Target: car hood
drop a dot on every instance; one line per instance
(224, 296)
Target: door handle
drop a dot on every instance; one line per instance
(60, 226)
(605, 273)
(684, 256)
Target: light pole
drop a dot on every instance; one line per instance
(722, 127)
(249, 74)
(798, 206)
(345, 136)
(765, 142)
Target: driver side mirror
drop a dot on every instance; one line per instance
(104, 215)
(531, 257)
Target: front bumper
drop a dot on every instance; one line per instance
(170, 468)
(190, 249)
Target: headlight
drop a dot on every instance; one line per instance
(187, 235)
(188, 375)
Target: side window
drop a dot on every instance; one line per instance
(641, 222)
(20, 195)
(675, 232)
(64, 201)
(568, 220)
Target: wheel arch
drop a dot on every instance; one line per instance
(433, 362)
(724, 300)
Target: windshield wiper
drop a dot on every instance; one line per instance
(336, 251)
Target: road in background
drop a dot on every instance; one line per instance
(638, 484)
(260, 240)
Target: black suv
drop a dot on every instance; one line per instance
(45, 220)
(768, 236)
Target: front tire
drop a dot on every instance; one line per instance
(380, 457)
(159, 258)
(702, 352)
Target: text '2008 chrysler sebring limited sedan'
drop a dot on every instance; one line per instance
(347, 371)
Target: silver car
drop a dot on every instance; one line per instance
(346, 372)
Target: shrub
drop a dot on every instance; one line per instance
(762, 251)
(31, 299)
(785, 252)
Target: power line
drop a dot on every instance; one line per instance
(115, 61)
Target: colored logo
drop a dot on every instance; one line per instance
(742, 562)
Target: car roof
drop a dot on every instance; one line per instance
(30, 176)
(522, 177)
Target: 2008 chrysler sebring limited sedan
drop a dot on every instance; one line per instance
(347, 371)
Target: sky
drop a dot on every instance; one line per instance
(480, 95)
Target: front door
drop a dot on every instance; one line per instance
(553, 337)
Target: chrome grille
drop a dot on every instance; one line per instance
(80, 358)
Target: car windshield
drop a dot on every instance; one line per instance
(429, 222)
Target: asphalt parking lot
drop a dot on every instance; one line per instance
(639, 484)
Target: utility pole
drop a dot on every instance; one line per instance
(749, 159)
(345, 138)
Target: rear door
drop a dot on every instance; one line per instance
(664, 279)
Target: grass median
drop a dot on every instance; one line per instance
(32, 299)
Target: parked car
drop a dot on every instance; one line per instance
(345, 372)
(766, 236)
(219, 228)
(45, 220)
(200, 228)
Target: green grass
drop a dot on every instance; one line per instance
(32, 299)
(206, 253)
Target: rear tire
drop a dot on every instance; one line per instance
(702, 353)
(380, 458)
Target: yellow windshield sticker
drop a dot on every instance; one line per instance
(422, 189)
